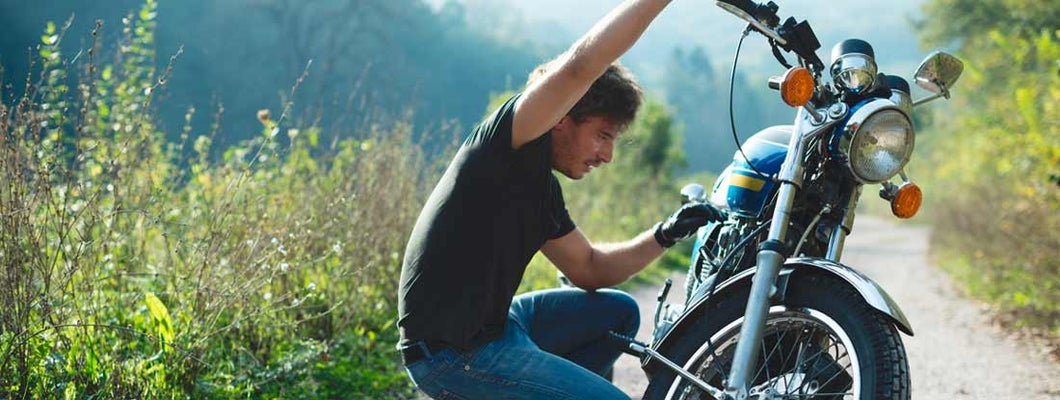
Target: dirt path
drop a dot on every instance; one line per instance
(956, 353)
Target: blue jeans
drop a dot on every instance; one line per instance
(555, 346)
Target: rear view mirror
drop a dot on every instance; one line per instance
(939, 72)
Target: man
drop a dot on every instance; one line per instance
(463, 336)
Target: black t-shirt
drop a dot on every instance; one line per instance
(491, 211)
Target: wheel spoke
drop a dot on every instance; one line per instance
(835, 375)
(765, 364)
(765, 360)
(841, 370)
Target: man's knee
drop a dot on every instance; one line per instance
(626, 307)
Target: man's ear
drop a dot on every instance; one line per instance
(564, 124)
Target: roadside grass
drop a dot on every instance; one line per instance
(136, 267)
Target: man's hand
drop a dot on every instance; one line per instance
(685, 222)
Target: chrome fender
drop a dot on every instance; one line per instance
(870, 291)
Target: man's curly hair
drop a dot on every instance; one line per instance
(615, 95)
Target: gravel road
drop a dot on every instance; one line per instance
(956, 353)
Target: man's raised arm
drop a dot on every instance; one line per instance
(548, 99)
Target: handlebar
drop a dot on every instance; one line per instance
(764, 13)
(792, 36)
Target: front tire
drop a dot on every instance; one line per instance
(825, 342)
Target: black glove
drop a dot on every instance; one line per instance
(685, 222)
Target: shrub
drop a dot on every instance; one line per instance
(140, 268)
(996, 158)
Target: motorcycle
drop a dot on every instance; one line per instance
(770, 312)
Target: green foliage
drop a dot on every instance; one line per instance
(996, 203)
(132, 271)
(969, 20)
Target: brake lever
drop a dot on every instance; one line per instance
(758, 25)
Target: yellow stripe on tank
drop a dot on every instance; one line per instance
(746, 182)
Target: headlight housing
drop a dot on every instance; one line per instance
(853, 65)
(878, 140)
(854, 72)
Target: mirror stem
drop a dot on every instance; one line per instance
(928, 99)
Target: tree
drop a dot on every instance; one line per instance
(996, 157)
(963, 20)
(700, 97)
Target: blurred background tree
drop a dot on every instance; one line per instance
(237, 51)
(994, 155)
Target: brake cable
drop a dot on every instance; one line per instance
(732, 117)
(776, 54)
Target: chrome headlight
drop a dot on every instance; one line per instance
(878, 140)
(854, 72)
(853, 65)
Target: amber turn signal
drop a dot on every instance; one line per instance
(797, 87)
(907, 201)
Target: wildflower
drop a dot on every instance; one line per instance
(267, 296)
(264, 116)
(284, 267)
(312, 286)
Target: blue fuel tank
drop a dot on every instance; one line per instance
(739, 188)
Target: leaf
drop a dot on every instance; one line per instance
(147, 15)
(1027, 104)
(160, 315)
(104, 111)
(1021, 299)
(314, 137)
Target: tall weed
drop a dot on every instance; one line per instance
(134, 267)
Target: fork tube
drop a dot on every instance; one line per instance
(769, 263)
(839, 234)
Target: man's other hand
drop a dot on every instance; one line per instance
(684, 222)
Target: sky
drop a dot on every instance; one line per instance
(685, 23)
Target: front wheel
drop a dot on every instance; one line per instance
(825, 342)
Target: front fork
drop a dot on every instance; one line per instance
(770, 258)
